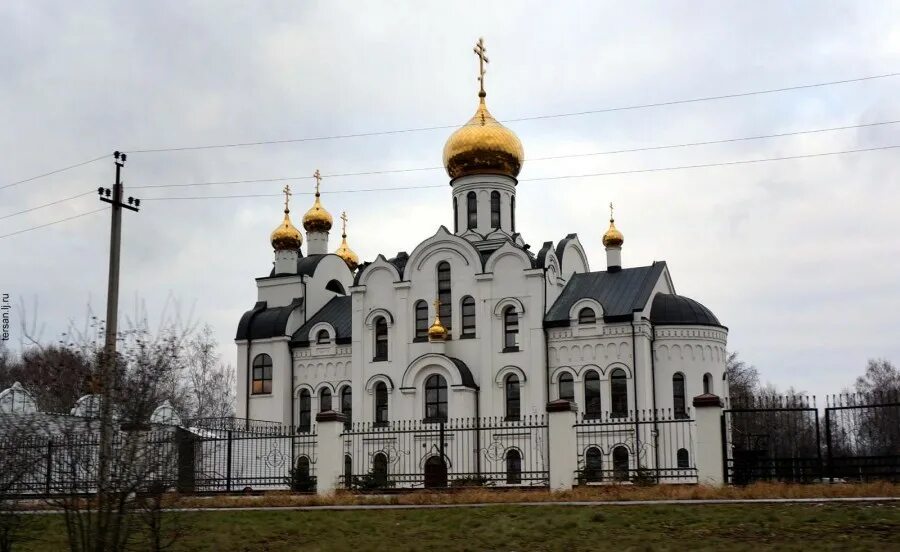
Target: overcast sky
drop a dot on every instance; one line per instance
(799, 258)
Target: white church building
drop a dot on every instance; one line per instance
(471, 322)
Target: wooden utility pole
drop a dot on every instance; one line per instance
(108, 379)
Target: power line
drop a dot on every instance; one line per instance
(47, 205)
(553, 157)
(55, 171)
(54, 222)
(562, 177)
(519, 119)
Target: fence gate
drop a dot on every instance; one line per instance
(772, 439)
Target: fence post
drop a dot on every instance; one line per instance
(561, 418)
(228, 466)
(49, 475)
(330, 451)
(710, 453)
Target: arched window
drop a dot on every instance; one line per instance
(495, 210)
(336, 287)
(303, 468)
(381, 339)
(304, 420)
(707, 383)
(421, 320)
(379, 469)
(512, 213)
(435, 472)
(513, 467)
(592, 394)
(513, 402)
(348, 471)
(678, 406)
(618, 387)
(593, 465)
(471, 211)
(468, 316)
(436, 398)
(620, 463)
(324, 399)
(381, 403)
(510, 329)
(445, 296)
(347, 404)
(684, 459)
(587, 316)
(262, 374)
(566, 386)
(455, 216)
(322, 337)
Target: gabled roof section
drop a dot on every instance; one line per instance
(261, 322)
(621, 293)
(338, 313)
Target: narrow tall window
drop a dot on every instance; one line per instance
(381, 403)
(587, 316)
(445, 294)
(322, 338)
(678, 406)
(471, 211)
(421, 320)
(512, 213)
(513, 400)
(513, 467)
(618, 387)
(324, 400)
(262, 374)
(495, 210)
(592, 394)
(347, 404)
(684, 459)
(707, 383)
(455, 216)
(620, 463)
(566, 386)
(303, 468)
(510, 329)
(348, 471)
(468, 316)
(381, 339)
(379, 469)
(436, 398)
(304, 420)
(593, 465)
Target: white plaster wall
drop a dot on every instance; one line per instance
(693, 351)
(279, 291)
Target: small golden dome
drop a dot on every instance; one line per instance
(317, 219)
(612, 237)
(286, 237)
(483, 146)
(437, 331)
(344, 251)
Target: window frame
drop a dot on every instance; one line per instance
(495, 210)
(584, 318)
(346, 402)
(593, 398)
(445, 294)
(683, 461)
(570, 382)
(679, 396)
(593, 465)
(707, 383)
(618, 393)
(436, 399)
(455, 216)
(265, 375)
(468, 330)
(380, 333)
(325, 394)
(304, 414)
(471, 211)
(319, 338)
(380, 469)
(513, 461)
(420, 314)
(620, 472)
(510, 329)
(381, 403)
(512, 397)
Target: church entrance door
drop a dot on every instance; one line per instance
(435, 472)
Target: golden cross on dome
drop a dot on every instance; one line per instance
(318, 176)
(480, 51)
(344, 223)
(611, 212)
(287, 196)
(437, 308)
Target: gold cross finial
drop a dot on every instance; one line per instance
(344, 224)
(611, 219)
(287, 197)
(480, 51)
(318, 176)
(437, 308)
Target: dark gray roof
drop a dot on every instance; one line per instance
(400, 261)
(464, 372)
(561, 246)
(669, 309)
(336, 312)
(306, 266)
(261, 322)
(621, 293)
(542, 254)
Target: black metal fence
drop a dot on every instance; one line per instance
(459, 452)
(789, 438)
(642, 447)
(203, 456)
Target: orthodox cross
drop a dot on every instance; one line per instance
(344, 223)
(480, 51)
(287, 196)
(437, 308)
(318, 176)
(611, 212)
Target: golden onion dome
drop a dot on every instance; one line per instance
(437, 331)
(317, 219)
(612, 237)
(483, 146)
(286, 237)
(344, 251)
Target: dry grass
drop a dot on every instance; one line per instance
(594, 494)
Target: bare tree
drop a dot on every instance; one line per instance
(743, 378)
(211, 383)
(880, 377)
